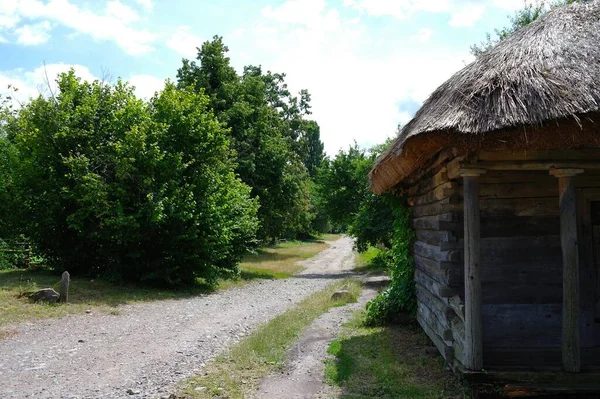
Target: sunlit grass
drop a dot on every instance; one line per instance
(238, 372)
(102, 297)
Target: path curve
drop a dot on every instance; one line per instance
(146, 349)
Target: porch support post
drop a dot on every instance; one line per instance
(473, 347)
(571, 357)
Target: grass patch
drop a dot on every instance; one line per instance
(102, 296)
(238, 372)
(369, 262)
(388, 363)
(280, 260)
(330, 237)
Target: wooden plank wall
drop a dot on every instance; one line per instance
(436, 206)
(520, 249)
(522, 259)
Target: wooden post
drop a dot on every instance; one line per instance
(64, 288)
(571, 356)
(473, 350)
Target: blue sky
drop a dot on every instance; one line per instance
(368, 64)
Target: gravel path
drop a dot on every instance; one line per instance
(303, 376)
(146, 349)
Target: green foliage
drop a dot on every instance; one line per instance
(348, 201)
(276, 149)
(523, 17)
(400, 296)
(114, 186)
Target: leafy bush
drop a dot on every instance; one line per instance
(115, 186)
(400, 296)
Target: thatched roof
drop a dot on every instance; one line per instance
(545, 71)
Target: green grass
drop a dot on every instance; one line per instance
(367, 262)
(387, 363)
(239, 372)
(330, 237)
(102, 297)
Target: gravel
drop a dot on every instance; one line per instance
(147, 348)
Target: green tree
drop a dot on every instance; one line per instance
(114, 186)
(529, 13)
(273, 143)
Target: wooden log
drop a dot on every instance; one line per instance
(437, 237)
(519, 207)
(426, 185)
(445, 350)
(440, 192)
(449, 277)
(473, 350)
(435, 253)
(436, 321)
(446, 205)
(539, 165)
(549, 155)
(432, 302)
(438, 162)
(458, 306)
(64, 287)
(435, 264)
(571, 356)
(445, 221)
(543, 188)
(441, 291)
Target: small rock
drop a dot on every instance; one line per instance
(133, 391)
(81, 340)
(88, 311)
(43, 295)
(199, 389)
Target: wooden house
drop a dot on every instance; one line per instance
(501, 169)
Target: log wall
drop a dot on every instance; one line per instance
(520, 254)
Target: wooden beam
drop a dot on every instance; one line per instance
(473, 349)
(538, 165)
(571, 352)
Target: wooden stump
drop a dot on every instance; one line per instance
(64, 288)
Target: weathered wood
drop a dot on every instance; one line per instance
(446, 205)
(519, 207)
(435, 253)
(427, 185)
(437, 237)
(64, 287)
(440, 192)
(437, 222)
(458, 306)
(522, 325)
(518, 190)
(473, 350)
(436, 321)
(440, 308)
(436, 265)
(437, 163)
(521, 226)
(538, 165)
(450, 277)
(445, 350)
(571, 357)
(549, 155)
(441, 291)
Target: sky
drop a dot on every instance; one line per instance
(368, 64)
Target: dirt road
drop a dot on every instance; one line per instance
(146, 349)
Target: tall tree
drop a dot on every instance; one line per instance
(268, 132)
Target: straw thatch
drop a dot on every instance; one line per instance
(545, 71)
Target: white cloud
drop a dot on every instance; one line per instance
(184, 42)
(41, 80)
(467, 15)
(32, 35)
(423, 35)
(115, 24)
(146, 85)
(147, 4)
(355, 87)
(463, 13)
